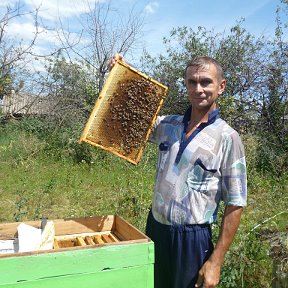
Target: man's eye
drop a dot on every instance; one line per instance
(206, 82)
(191, 82)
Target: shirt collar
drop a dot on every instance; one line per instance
(212, 116)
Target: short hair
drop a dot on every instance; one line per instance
(202, 62)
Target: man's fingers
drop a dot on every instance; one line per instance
(117, 57)
(200, 281)
(113, 60)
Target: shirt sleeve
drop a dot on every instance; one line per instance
(156, 131)
(233, 168)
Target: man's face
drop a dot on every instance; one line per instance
(203, 87)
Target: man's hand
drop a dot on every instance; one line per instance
(113, 60)
(209, 274)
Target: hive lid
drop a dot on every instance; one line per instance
(124, 113)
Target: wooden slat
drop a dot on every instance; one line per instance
(80, 241)
(136, 277)
(98, 239)
(113, 237)
(56, 244)
(107, 239)
(89, 240)
(125, 231)
(66, 243)
(83, 225)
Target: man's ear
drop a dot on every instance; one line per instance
(222, 86)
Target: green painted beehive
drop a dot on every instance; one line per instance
(110, 253)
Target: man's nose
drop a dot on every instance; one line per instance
(199, 87)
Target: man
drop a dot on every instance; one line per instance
(201, 161)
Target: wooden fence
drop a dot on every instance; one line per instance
(20, 104)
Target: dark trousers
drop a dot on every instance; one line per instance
(180, 251)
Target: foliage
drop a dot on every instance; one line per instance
(72, 95)
(72, 83)
(44, 171)
(58, 142)
(108, 31)
(5, 85)
(169, 69)
(241, 56)
(71, 89)
(247, 264)
(255, 99)
(38, 182)
(14, 53)
(273, 154)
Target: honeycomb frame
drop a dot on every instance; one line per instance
(124, 113)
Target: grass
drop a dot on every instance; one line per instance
(34, 183)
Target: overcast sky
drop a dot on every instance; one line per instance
(160, 17)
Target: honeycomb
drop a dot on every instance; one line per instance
(124, 113)
(84, 240)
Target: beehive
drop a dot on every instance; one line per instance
(124, 113)
(104, 251)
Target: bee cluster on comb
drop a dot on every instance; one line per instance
(124, 113)
(132, 108)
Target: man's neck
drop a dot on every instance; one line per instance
(200, 116)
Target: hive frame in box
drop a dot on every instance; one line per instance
(93, 131)
(80, 227)
(127, 263)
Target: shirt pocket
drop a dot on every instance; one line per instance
(200, 176)
(164, 149)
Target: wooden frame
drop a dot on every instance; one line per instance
(94, 131)
(108, 230)
(125, 262)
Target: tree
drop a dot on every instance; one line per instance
(104, 31)
(273, 154)
(71, 92)
(183, 43)
(255, 99)
(13, 52)
(75, 77)
(241, 56)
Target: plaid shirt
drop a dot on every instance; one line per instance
(194, 174)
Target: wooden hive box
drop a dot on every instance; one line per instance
(107, 252)
(124, 113)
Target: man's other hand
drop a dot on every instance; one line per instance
(112, 61)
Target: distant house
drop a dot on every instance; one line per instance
(23, 104)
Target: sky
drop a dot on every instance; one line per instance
(160, 17)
